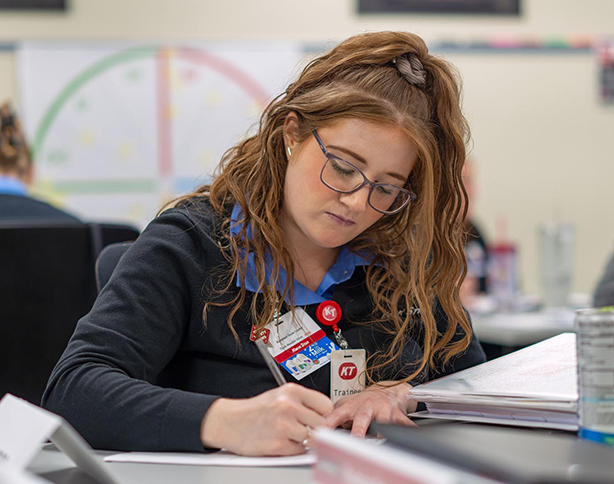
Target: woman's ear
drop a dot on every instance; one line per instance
(291, 131)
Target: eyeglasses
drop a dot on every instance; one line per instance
(343, 177)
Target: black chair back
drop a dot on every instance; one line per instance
(47, 283)
(108, 260)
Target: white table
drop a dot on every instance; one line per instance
(522, 329)
(56, 467)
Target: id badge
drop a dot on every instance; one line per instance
(298, 344)
(347, 373)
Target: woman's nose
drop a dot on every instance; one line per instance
(357, 201)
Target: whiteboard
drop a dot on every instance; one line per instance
(119, 129)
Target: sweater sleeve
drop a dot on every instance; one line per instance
(105, 382)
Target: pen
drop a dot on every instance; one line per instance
(279, 378)
(270, 362)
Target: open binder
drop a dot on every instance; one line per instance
(532, 387)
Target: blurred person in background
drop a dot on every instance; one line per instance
(475, 246)
(17, 176)
(604, 293)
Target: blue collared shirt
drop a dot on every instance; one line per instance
(12, 186)
(339, 272)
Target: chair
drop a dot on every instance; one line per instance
(104, 234)
(47, 283)
(107, 260)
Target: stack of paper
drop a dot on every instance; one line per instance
(533, 387)
(221, 458)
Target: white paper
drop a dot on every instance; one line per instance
(498, 421)
(513, 412)
(543, 371)
(222, 458)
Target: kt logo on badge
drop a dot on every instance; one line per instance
(347, 371)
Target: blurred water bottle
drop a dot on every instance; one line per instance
(503, 274)
(503, 269)
(556, 262)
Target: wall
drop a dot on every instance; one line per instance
(541, 139)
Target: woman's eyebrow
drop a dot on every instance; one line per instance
(363, 161)
(349, 152)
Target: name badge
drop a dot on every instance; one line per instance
(298, 344)
(347, 373)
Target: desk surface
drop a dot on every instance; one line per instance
(56, 467)
(521, 329)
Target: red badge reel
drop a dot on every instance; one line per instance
(329, 314)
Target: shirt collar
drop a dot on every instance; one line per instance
(12, 186)
(339, 272)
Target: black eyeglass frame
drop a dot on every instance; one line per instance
(329, 156)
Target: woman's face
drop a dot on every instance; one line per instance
(313, 214)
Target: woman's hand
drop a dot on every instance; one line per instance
(384, 403)
(272, 423)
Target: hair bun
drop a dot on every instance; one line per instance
(412, 69)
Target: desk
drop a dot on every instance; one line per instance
(516, 330)
(56, 467)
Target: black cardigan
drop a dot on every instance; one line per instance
(141, 369)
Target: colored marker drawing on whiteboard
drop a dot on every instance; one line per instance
(143, 123)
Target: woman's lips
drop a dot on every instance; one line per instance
(339, 220)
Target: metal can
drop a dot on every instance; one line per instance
(595, 349)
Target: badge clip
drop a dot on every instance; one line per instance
(329, 314)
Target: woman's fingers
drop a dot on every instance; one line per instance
(292, 448)
(299, 433)
(309, 407)
(377, 404)
(361, 423)
(313, 399)
(308, 417)
(338, 417)
(286, 447)
(272, 423)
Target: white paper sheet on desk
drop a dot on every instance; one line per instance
(221, 458)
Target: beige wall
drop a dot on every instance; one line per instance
(541, 139)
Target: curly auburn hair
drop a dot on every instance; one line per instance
(416, 255)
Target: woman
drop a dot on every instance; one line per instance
(17, 176)
(351, 192)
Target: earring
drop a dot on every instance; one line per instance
(289, 151)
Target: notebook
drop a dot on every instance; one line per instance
(535, 386)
